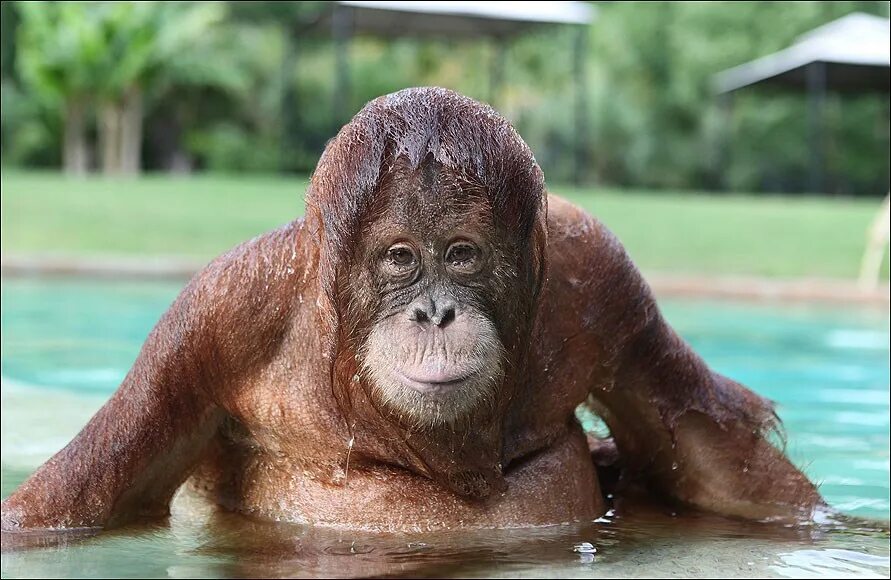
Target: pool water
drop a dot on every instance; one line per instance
(67, 344)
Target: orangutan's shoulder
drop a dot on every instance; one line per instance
(577, 240)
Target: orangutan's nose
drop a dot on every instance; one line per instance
(439, 311)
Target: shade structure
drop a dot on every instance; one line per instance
(848, 55)
(854, 51)
(498, 21)
(461, 19)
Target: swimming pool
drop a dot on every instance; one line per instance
(67, 343)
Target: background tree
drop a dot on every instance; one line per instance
(60, 54)
(154, 48)
(107, 59)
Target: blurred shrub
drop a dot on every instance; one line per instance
(229, 147)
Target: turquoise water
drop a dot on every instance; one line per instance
(67, 344)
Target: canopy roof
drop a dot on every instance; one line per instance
(854, 50)
(465, 19)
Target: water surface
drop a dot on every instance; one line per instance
(67, 344)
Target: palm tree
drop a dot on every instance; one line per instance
(60, 55)
(112, 56)
(152, 48)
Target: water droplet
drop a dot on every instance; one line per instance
(348, 549)
(415, 547)
(674, 466)
(584, 548)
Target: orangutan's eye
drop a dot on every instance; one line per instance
(401, 256)
(463, 256)
(400, 261)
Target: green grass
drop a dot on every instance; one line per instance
(202, 216)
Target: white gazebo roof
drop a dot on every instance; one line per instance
(855, 48)
(461, 18)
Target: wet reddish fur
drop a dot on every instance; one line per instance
(249, 383)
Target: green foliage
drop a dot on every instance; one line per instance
(657, 119)
(251, 86)
(104, 48)
(229, 147)
(151, 43)
(30, 131)
(97, 52)
(61, 49)
(9, 21)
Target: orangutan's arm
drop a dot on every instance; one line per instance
(693, 435)
(696, 436)
(134, 453)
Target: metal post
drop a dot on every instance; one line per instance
(816, 99)
(724, 140)
(341, 29)
(287, 99)
(582, 142)
(496, 69)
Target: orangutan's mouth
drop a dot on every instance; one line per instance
(433, 383)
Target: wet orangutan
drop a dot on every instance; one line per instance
(410, 355)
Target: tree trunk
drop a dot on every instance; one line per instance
(131, 132)
(74, 152)
(110, 137)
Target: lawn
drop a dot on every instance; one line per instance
(201, 216)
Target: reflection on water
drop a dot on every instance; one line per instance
(65, 346)
(198, 542)
(831, 562)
